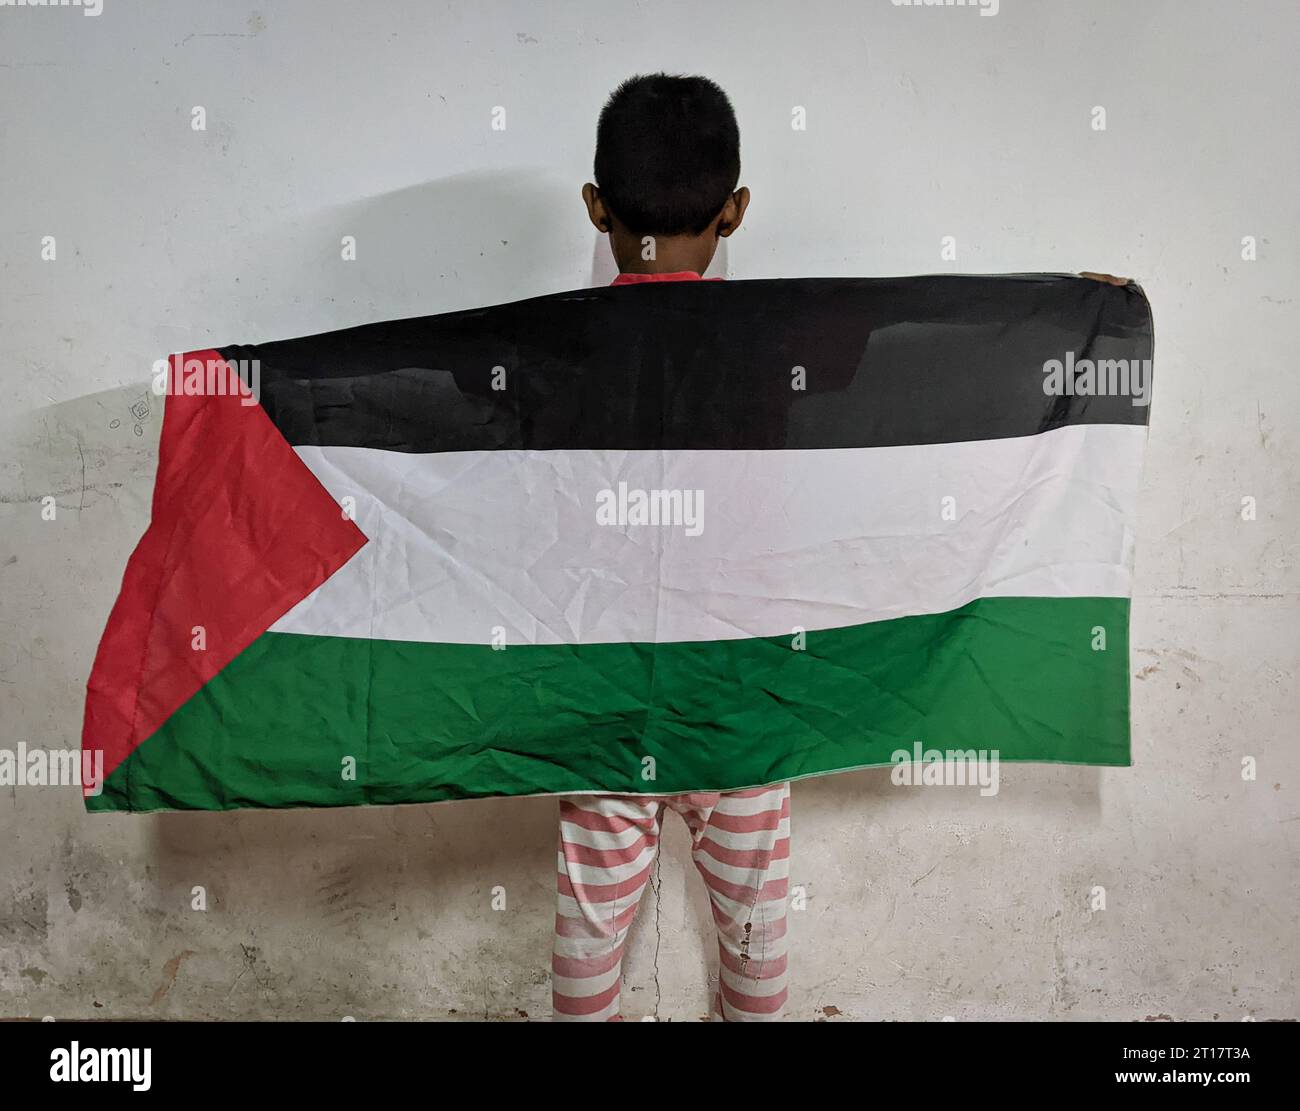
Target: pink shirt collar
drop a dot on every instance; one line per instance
(675, 276)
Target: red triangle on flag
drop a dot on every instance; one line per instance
(241, 532)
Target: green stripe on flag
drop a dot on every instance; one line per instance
(428, 722)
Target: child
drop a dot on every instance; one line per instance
(667, 164)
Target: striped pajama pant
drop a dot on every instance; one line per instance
(740, 842)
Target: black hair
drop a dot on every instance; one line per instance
(667, 153)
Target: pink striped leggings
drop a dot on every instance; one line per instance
(740, 842)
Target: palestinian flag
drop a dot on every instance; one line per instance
(655, 538)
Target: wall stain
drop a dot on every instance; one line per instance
(170, 969)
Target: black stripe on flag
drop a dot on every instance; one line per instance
(711, 365)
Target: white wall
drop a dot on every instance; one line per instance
(328, 118)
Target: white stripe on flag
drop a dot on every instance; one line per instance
(464, 542)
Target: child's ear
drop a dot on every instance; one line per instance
(733, 211)
(596, 209)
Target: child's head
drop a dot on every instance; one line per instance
(667, 163)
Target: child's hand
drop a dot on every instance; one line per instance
(1103, 277)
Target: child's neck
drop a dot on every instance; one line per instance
(674, 254)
